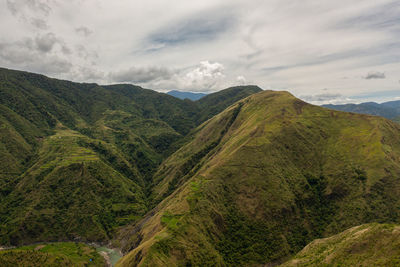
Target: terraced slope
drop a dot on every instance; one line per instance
(264, 178)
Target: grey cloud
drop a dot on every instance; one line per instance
(31, 11)
(21, 55)
(39, 23)
(200, 27)
(375, 75)
(383, 17)
(12, 6)
(52, 65)
(141, 75)
(46, 42)
(89, 74)
(39, 6)
(83, 31)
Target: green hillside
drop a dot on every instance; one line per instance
(262, 179)
(54, 254)
(77, 159)
(365, 245)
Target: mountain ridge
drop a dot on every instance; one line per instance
(279, 174)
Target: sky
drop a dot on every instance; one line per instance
(322, 51)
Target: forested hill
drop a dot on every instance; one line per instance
(76, 159)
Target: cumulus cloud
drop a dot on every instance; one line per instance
(375, 75)
(204, 77)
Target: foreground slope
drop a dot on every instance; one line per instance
(365, 245)
(262, 179)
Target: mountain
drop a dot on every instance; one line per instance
(389, 110)
(186, 95)
(260, 180)
(240, 177)
(365, 245)
(77, 159)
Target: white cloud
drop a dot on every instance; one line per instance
(241, 80)
(204, 77)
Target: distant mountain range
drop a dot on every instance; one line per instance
(186, 95)
(389, 110)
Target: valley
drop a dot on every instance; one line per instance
(243, 176)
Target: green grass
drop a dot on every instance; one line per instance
(54, 254)
(365, 245)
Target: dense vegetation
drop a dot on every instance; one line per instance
(271, 173)
(55, 254)
(239, 177)
(77, 159)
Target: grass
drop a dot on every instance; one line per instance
(365, 245)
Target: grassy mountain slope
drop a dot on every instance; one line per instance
(365, 245)
(76, 159)
(55, 254)
(262, 179)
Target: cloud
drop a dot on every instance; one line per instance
(375, 75)
(19, 7)
(39, 23)
(204, 77)
(33, 12)
(241, 80)
(326, 98)
(83, 31)
(46, 42)
(199, 27)
(141, 75)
